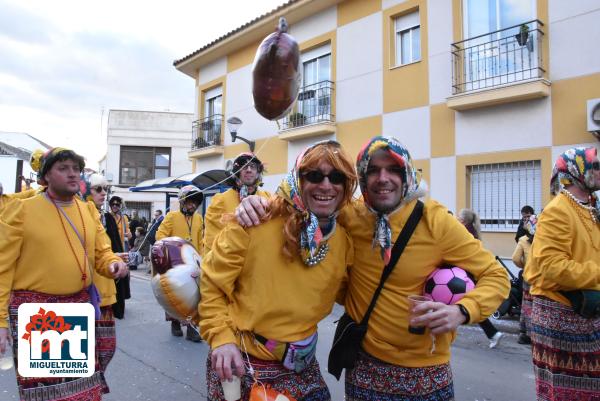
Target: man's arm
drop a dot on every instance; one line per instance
(11, 240)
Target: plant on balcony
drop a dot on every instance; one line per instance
(523, 35)
(297, 119)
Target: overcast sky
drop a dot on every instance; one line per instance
(63, 62)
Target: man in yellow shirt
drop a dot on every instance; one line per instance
(393, 361)
(246, 178)
(49, 246)
(564, 260)
(185, 223)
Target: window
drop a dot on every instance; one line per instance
(143, 163)
(213, 118)
(314, 99)
(500, 190)
(485, 16)
(408, 38)
(213, 101)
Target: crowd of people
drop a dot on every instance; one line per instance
(273, 266)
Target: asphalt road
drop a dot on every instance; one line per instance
(152, 365)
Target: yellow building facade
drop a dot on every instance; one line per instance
(484, 94)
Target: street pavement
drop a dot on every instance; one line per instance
(152, 365)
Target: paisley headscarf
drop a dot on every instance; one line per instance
(412, 186)
(290, 189)
(575, 167)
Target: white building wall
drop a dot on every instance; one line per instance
(489, 130)
(411, 127)
(315, 25)
(295, 147)
(574, 40)
(439, 19)
(212, 71)
(8, 169)
(560, 9)
(442, 187)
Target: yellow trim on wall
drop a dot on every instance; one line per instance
(457, 17)
(442, 130)
(206, 87)
(271, 151)
(352, 10)
(425, 166)
(499, 243)
(242, 57)
(542, 15)
(354, 134)
(569, 109)
(406, 86)
(542, 154)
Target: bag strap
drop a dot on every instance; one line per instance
(397, 250)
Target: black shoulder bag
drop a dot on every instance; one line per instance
(349, 334)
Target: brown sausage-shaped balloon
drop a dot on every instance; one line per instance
(276, 74)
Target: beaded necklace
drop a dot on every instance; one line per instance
(189, 221)
(83, 241)
(578, 206)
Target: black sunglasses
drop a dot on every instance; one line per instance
(116, 204)
(100, 189)
(316, 176)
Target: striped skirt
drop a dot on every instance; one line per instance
(375, 380)
(566, 353)
(53, 388)
(308, 385)
(526, 305)
(106, 338)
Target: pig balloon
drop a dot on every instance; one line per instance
(276, 74)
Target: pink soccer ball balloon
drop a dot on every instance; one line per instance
(448, 284)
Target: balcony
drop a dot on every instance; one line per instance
(312, 114)
(206, 136)
(499, 67)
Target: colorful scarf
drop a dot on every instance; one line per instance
(531, 225)
(411, 186)
(290, 189)
(575, 167)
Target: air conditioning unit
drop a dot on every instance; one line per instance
(593, 117)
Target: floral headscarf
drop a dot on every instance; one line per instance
(290, 189)
(575, 167)
(531, 224)
(412, 186)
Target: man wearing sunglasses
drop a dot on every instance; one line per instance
(564, 273)
(394, 363)
(246, 177)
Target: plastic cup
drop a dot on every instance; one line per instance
(413, 301)
(6, 359)
(232, 389)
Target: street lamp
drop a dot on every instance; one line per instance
(233, 124)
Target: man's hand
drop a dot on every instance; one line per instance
(4, 340)
(118, 269)
(441, 319)
(251, 210)
(225, 357)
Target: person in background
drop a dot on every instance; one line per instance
(117, 229)
(141, 244)
(49, 246)
(520, 257)
(565, 259)
(134, 223)
(246, 178)
(93, 189)
(185, 223)
(154, 224)
(526, 211)
(265, 289)
(471, 221)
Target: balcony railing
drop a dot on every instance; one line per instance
(313, 106)
(498, 58)
(207, 132)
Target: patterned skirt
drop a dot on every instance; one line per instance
(53, 388)
(305, 386)
(106, 338)
(566, 353)
(375, 380)
(526, 305)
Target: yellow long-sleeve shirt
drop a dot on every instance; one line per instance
(438, 239)
(248, 285)
(35, 254)
(564, 256)
(176, 225)
(521, 253)
(106, 286)
(221, 204)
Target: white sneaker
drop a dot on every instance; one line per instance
(495, 340)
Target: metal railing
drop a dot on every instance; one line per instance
(498, 58)
(207, 132)
(313, 106)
